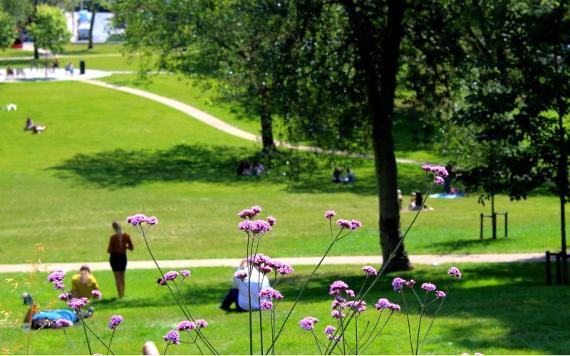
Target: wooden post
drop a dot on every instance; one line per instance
(506, 224)
(548, 270)
(481, 227)
(493, 217)
(558, 269)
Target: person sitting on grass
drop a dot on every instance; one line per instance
(38, 319)
(349, 176)
(417, 202)
(241, 287)
(83, 283)
(36, 129)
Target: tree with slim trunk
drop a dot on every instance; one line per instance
(7, 30)
(49, 30)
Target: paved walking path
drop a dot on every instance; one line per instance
(42, 58)
(217, 123)
(295, 261)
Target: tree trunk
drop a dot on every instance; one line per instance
(36, 52)
(563, 192)
(266, 121)
(90, 46)
(380, 72)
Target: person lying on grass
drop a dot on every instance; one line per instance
(37, 319)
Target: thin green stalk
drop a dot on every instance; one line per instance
(402, 294)
(299, 295)
(317, 342)
(98, 338)
(384, 266)
(69, 341)
(420, 325)
(377, 334)
(85, 331)
(249, 270)
(111, 341)
(166, 348)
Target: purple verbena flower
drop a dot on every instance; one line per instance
(170, 276)
(410, 283)
(265, 304)
(350, 293)
(271, 220)
(64, 296)
(369, 270)
(186, 325)
(355, 224)
(247, 214)
(284, 269)
(343, 223)
(77, 303)
(256, 209)
(260, 227)
(59, 285)
(329, 214)
(398, 283)
(245, 225)
(151, 220)
(137, 219)
(358, 306)
(308, 323)
(270, 293)
(337, 287)
(172, 336)
(185, 273)
(394, 307)
(337, 314)
(201, 323)
(454, 272)
(440, 294)
(96, 294)
(329, 330)
(56, 276)
(438, 180)
(241, 275)
(428, 287)
(114, 321)
(382, 303)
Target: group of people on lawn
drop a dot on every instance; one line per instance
(84, 283)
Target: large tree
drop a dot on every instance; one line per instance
(517, 94)
(49, 30)
(244, 44)
(7, 30)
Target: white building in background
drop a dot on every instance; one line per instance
(79, 23)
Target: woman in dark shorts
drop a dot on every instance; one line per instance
(118, 245)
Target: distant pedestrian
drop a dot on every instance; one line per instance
(119, 243)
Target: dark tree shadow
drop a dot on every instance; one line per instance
(121, 168)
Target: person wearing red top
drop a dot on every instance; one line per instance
(119, 243)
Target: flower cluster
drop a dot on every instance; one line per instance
(256, 227)
(241, 275)
(439, 172)
(349, 224)
(139, 219)
(77, 303)
(201, 323)
(185, 273)
(337, 287)
(186, 325)
(172, 336)
(57, 278)
(170, 276)
(308, 323)
(358, 306)
(64, 296)
(369, 270)
(96, 294)
(265, 264)
(329, 214)
(114, 321)
(454, 272)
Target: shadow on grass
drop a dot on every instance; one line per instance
(217, 164)
(515, 295)
(181, 163)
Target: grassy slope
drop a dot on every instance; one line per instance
(496, 309)
(63, 188)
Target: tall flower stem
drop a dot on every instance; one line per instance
(408, 320)
(260, 313)
(385, 265)
(69, 341)
(299, 296)
(99, 339)
(85, 332)
(111, 341)
(249, 271)
(184, 310)
(420, 325)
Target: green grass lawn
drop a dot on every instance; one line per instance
(495, 309)
(106, 155)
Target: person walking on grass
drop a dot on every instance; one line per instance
(119, 242)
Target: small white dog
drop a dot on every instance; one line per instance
(12, 107)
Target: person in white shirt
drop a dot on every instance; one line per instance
(240, 288)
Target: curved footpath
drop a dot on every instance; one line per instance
(295, 261)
